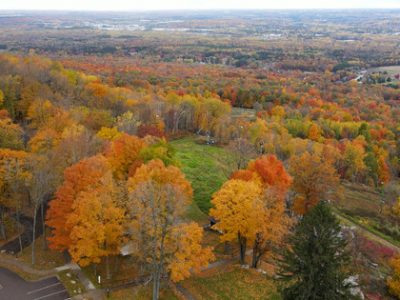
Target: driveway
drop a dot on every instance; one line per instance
(13, 287)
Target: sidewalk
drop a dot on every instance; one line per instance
(4, 261)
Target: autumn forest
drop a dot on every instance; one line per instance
(202, 155)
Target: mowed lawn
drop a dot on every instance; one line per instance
(141, 293)
(206, 167)
(358, 200)
(362, 205)
(233, 284)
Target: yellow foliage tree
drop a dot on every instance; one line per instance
(190, 255)
(278, 111)
(44, 140)
(10, 134)
(158, 199)
(237, 207)
(353, 159)
(271, 222)
(97, 224)
(39, 112)
(109, 134)
(14, 176)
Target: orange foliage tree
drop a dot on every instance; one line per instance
(123, 154)
(77, 178)
(315, 179)
(272, 173)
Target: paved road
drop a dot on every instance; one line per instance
(13, 287)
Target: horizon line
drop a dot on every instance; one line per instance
(195, 9)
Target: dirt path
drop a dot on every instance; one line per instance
(367, 233)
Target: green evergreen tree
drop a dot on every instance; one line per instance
(314, 265)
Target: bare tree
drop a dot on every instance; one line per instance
(242, 150)
(40, 185)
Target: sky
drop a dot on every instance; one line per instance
(133, 5)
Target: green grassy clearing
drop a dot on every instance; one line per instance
(206, 167)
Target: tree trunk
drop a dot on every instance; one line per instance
(108, 267)
(34, 234)
(242, 243)
(156, 283)
(226, 248)
(259, 249)
(254, 261)
(117, 263)
(43, 226)
(2, 225)
(29, 197)
(19, 230)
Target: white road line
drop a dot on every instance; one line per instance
(52, 294)
(43, 288)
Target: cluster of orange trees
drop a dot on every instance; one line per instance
(98, 151)
(128, 195)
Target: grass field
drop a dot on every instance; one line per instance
(233, 283)
(141, 293)
(206, 167)
(359, 201)
(362, 205)
(244, 113)
(391, 70)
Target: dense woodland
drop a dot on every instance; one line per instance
(89, 148)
